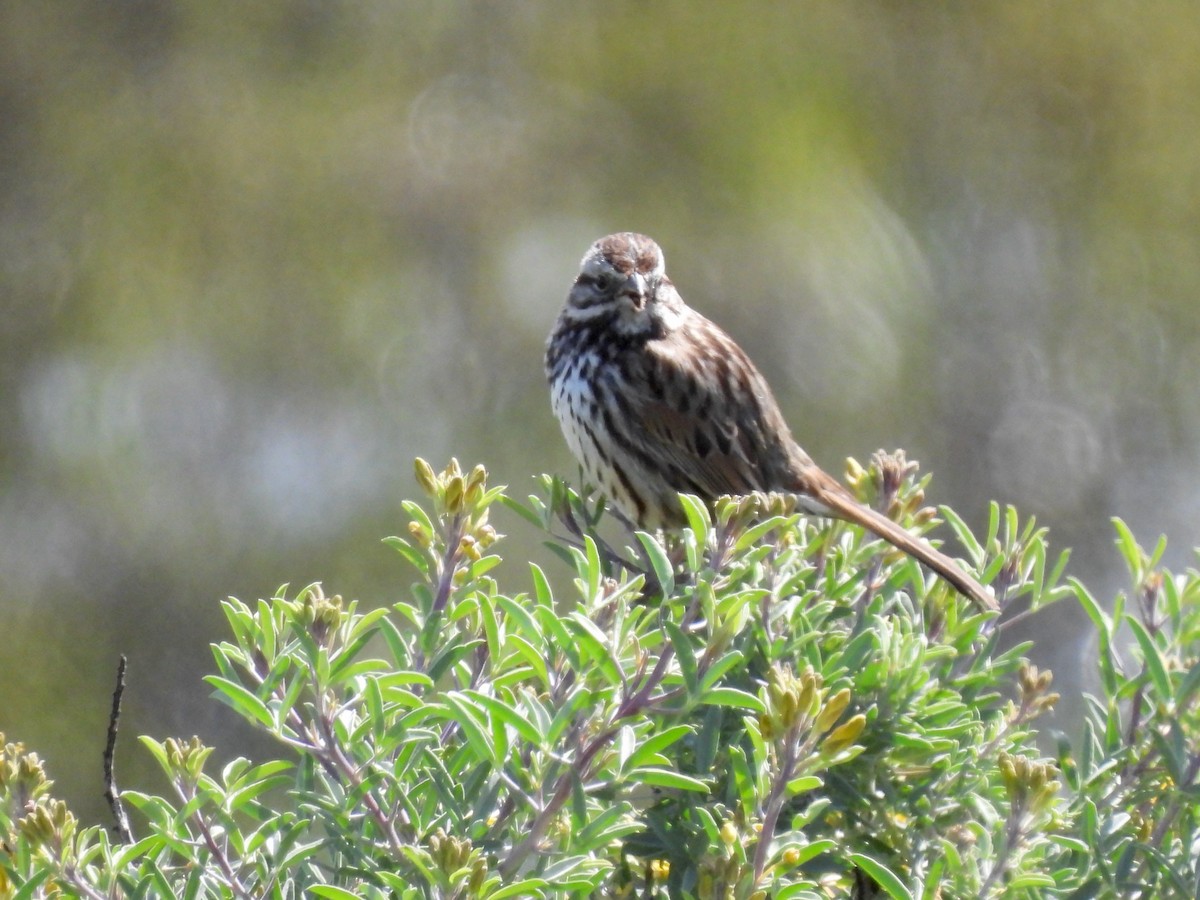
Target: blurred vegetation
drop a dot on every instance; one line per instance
(253, 258)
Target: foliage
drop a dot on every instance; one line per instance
(759, 706)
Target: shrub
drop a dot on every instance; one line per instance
(762, 705)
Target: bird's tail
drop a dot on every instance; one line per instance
(836, 501)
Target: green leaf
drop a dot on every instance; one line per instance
(727, 696)
(241, 622)
(531, 516)
(518, 617)
(491, 626)
(579, 697)
(29, 889)
(267, 630)
(714, 672)
(560, 872)
(1128, 545)
(1187, 687)
(803, 784)
(1030, 880)
(594, 644)
(552, 626)
(343, 673)
(411, 554)
(400, 678)
(707, 744)
(242, 700)
(395, 641)
(282, 707)
(331, 892)
(238, 798)
(1156, 555)
(1152, 658)
(711, 829)
(470, 718)
(669, 778)
(560, 551)
(655, 745)
(744, 781)
(612, 823)
(974, 549)
(697, 515)
(663, 570)
(157, 750)
(450, 655)
(592, 572)
(685, 655)
(508, 715)
(1172, 753)
(883, 876)
(532, 657)
(139, 850)
(752, 535)
(1104, 630)
(530, 887)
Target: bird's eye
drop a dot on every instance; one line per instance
(602, 281)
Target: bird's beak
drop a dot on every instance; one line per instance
(636, 290)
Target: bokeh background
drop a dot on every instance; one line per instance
(255, 257)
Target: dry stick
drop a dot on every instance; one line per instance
(111, 794)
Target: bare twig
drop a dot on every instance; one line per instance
(111, 794)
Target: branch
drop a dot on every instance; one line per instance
(111, 793)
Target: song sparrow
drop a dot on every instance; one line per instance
(654, 399)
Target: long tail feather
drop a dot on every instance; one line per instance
(842, 505)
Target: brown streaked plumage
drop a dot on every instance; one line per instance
(654, 400)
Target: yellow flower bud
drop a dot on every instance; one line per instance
(454, 495)
(844, 735)
(426, 480)
(808, 695)
(832, 710)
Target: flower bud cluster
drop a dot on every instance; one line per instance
(799, 705)
(889, 484)
(1030, 783)
(719, 873)
(186, 759)
(457, 495)
(453, 492)
(48, 824)
(1036, 696)
(317, 614)
(458, 859)
(22, 777)
(24, 801)
(742, 509)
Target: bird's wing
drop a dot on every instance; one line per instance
(703, 413)
(708, 454)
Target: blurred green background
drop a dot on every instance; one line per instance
(254, 257)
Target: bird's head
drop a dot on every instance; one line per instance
(622, 281)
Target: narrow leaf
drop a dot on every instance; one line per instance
(669, 778)
(686, 656)
(655, 745)
(241, 700)
(727, 696)
(1152, 658)
(663, 570)
(883, 876)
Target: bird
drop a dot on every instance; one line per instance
(655, 400)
